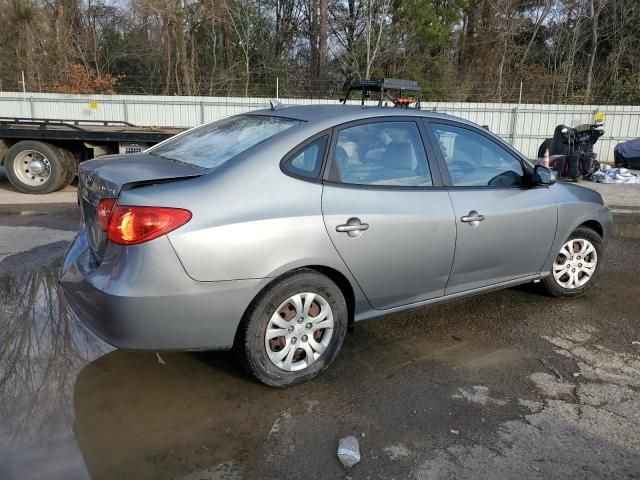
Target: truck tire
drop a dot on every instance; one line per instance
(72, 166)
(35, 167)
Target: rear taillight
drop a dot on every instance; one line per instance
(104, 212)
(130, 225)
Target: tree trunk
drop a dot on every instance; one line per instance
(545, 12)
(572, 54)
(167, 46)
(182, 63)
(246, 72)
(501, 69)
(470, 32)
(594, 10)
(313, 40)
(323, 46)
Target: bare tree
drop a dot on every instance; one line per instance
(571, 50)
(240, 18)
(377, 13)
(595, 9)
(539, 21)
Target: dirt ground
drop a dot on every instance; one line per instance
(511, 384)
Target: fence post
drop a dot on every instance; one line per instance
(201, 112)
(31, 107)
(514, 126)
(125, 109)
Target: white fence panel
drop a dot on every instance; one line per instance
(524, 126)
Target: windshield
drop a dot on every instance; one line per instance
(211, 145)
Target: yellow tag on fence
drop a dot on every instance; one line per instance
(600, 117)
(93, 105)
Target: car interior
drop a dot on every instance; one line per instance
(375, 155)
(475, 161)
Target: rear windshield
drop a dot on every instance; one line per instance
(211, 145)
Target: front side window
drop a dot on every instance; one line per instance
(213, 144)
(475, 161)
(307, 161)
(381, 153)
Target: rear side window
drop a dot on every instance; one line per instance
(307, 162)
(213, 144)
(381, 153)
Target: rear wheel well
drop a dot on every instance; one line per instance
(334, 275)
(595, 226)
(343, 284)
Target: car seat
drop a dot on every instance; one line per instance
(398, 161)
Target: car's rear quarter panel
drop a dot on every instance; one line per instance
(139, 297)
(250, 220)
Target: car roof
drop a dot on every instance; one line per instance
(318, 118)
(339, 113)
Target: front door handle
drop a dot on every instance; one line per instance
(354, 227)
(472, 217)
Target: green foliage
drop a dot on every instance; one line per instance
(467, 50)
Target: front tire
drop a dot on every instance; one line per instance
(293, 330)
(577, 266)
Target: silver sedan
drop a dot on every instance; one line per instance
(270, 233)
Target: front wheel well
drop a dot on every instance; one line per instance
(593, 225)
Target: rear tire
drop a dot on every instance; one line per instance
(571, 273)
(301, 318)
(35, 167)
(72, 166)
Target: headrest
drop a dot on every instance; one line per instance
(465, 149)
(399, 156)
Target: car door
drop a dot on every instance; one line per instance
(505, 226)
(386, 211)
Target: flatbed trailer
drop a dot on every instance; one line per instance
(42, 155)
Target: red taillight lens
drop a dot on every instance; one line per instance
(130, 225)
(104, 212)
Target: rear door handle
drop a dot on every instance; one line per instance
(354, 227)
(473, 216)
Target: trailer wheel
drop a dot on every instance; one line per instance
(35, 167)
(72, 166)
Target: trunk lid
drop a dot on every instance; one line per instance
(107, 176)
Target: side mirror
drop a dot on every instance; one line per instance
(544, 176)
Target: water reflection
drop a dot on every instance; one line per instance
(139, 418)
(42, 348)
(198, 416)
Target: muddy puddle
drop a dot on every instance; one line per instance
(42, 348)
(73, 407)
